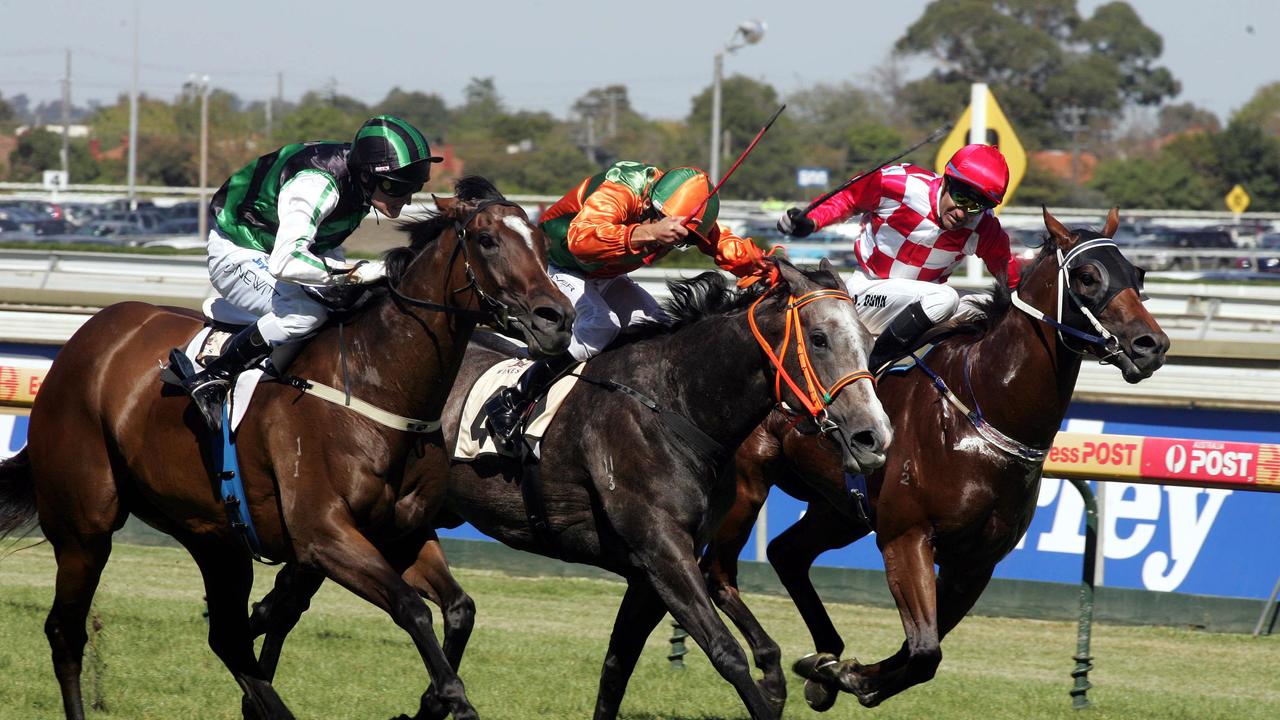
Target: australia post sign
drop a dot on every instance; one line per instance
(1179, 514)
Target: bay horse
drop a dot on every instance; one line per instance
(958, 489)
(325, 486)
(633, 490)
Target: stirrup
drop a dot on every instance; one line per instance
(209, 397)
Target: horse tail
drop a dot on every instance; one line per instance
(17, 494)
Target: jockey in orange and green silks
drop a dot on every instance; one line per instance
(610, 224)
(591, 228)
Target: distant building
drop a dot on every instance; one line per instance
(1058, 163)
(73, 130)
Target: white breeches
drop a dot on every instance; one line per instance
(284, 311)
(879, 301)
(604, 308)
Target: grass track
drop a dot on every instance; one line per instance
(538, 645)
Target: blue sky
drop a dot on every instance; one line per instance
(541, 58)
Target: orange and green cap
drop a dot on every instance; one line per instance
(683, 190)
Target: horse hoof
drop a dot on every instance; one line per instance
(820, 696)
(817, 666)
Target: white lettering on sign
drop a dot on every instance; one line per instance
(1175, 460)
(1188, 524)
(1188, 530)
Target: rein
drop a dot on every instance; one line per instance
(1103, 341)
(816, 397)
(494, 310)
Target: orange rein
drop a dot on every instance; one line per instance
(818, 397)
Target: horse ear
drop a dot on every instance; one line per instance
(826, 266)
(1059, 232)
(791, 276)
(1113, 222)
(446, 205)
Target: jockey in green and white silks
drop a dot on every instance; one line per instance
(278, 224)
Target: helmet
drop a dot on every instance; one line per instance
(683, 190)
(982, 168)
(390, 154)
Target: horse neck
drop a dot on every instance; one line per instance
(404, 358)
(712, 372)
(1021, 373)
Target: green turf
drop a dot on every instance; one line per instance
(538, 645)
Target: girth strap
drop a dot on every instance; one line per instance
(373, 412)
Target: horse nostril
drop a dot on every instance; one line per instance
(1150, 344)
(867, 439)
(548, 315)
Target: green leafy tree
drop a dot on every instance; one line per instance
(1263, 109)
(40, 150)
(425, 111)
(1179, 118)
(745, 105)
(1038, 56)
(322, 116)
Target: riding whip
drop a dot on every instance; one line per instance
(933, 136)
(738, 162)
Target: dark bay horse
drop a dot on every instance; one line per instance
(631, 492)
(948, 493)
(325, 486)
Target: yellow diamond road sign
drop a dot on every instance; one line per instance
(1237, 200)
(992, 118)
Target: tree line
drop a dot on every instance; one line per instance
(1090, 85)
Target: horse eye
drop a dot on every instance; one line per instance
(487, 241)
(818, 339)
(1087, 279)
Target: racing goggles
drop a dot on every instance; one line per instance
(967, 199)
(398, 188)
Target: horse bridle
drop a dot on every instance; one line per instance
(493, 310)
(816, 397)
(1106, 343)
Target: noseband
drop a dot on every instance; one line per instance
(494, 310)
(817, 397)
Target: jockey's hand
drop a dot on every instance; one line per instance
(768, 272)
(365, 272)
(796, 223)
(664, 232)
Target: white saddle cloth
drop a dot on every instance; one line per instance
(473, 435)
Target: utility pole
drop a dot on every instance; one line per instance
(66, 119)
(203, 210)
(613, 112)
(133, 118)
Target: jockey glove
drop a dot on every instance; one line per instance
(796, 223)
(366, 272)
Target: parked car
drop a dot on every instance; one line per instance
(34, 221)
(1264, 263)
(179, 226)
(148, 220)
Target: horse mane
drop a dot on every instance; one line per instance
(471, 188)
(706, 295)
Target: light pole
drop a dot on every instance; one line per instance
(201, 86)
(747, 33)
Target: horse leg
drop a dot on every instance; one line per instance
(640, 612)
(228, 578)
(792, 554)
(349, 559)
(81, 559)
(667, 559)
(720, 569)
(958, 589)
(430, 575)
(908, 562)
(276, 614)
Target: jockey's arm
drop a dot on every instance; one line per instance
(740, 256)
(304, 202)
(602, 230)
(993, 248)
(860, 197)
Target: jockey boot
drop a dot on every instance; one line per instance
(900, 338)
(208, 388)
(505, 411)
